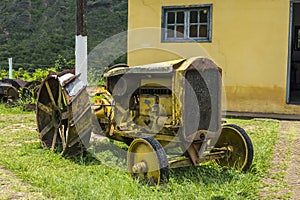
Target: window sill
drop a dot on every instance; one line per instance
(186, 41)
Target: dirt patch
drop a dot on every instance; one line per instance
(283, 180)
(17, 117)
(13, 188)
(293, 172)
(13, 119)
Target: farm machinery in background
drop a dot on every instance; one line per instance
(13, 89)
(156, 109)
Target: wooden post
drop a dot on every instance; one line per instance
(81, 40)
(10, 74)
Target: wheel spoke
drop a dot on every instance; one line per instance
(44, 108)
(59, 97)
(50, 93)
(62, 136)
(54, 139)
(47, 129)
(67, 135)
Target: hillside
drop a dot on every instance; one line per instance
(36, 32)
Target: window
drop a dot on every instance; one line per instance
(186, 23)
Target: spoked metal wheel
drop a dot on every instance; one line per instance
(63, 114)
(147, 161)
(239, 148)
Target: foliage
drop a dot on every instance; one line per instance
(86, 177)
(21, 74)
(3, 73)
(36, 33)
(12, 111)
(37, 75)
(61, 63)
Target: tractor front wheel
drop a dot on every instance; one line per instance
(239, 148)
(147, 161)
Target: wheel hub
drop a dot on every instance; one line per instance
(140, 167)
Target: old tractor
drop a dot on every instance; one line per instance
(169, 114)
(13, 89)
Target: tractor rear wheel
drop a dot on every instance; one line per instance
(147, 161)
(63, 114)
(239, 148)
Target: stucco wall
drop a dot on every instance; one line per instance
(249, 42)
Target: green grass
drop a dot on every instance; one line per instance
(7, 111)
(106, 178)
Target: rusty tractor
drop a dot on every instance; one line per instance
(154, 109)
(13, 89)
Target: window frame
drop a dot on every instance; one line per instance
(187, 10)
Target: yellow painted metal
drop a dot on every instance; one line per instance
(141, 153)
(154, 81)
(155, 108)
(170, 63)
(146, 103)
(166, 104)
(102, 104)
(183, 162)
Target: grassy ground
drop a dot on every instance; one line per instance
(90, 178)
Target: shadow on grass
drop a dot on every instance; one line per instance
(206, 174)
(86, 158)
(218, 198)
(103, 153)
(115, 156)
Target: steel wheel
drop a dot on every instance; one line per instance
(147, 161)
(239, 145)
(63, 115)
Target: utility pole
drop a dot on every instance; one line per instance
(10, 68)
(81, 40)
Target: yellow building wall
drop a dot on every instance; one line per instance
(249, 42)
